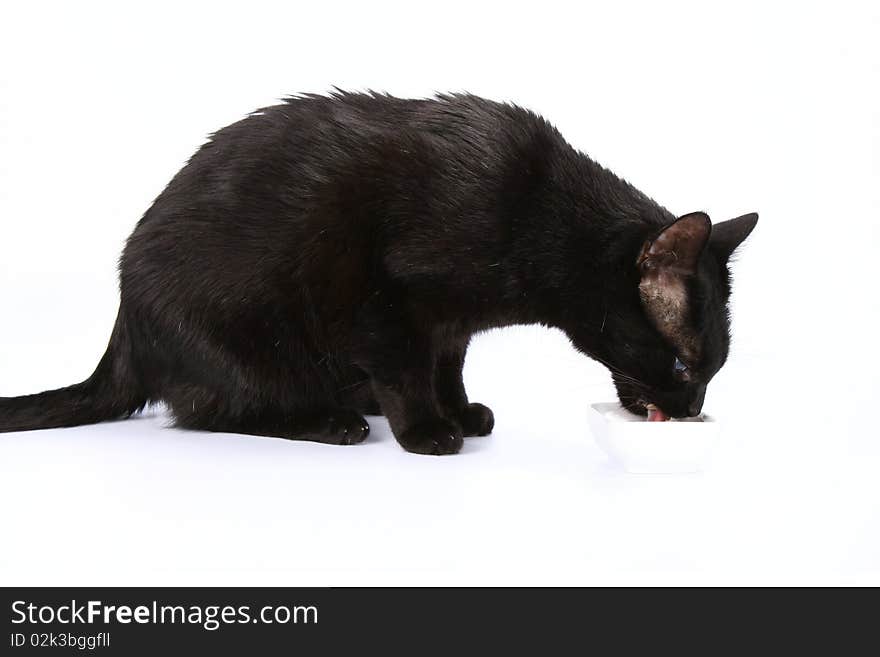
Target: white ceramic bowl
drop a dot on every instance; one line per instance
(643, 447)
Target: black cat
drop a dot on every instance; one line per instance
(331, 257)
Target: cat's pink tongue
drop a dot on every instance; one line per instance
(656, 415)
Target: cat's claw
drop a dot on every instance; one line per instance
(435, 437)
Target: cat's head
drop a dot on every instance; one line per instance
(676, 334)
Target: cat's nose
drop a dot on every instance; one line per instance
(696, 404)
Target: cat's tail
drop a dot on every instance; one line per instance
(112, 392)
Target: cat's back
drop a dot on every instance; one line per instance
(304, 187)
(333, 156)
(297, 145)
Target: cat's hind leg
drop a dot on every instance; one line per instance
(197, 408)
(356, 392)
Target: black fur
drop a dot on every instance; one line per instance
(331, 257)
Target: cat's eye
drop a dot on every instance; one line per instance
(680, 368)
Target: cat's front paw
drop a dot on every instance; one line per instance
(476, 420)
(436, 437)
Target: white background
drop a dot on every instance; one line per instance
(725, 107)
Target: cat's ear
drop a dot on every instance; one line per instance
(665, 263)
(728, 235)
(677, 249)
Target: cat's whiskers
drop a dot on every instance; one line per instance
(618, 373)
